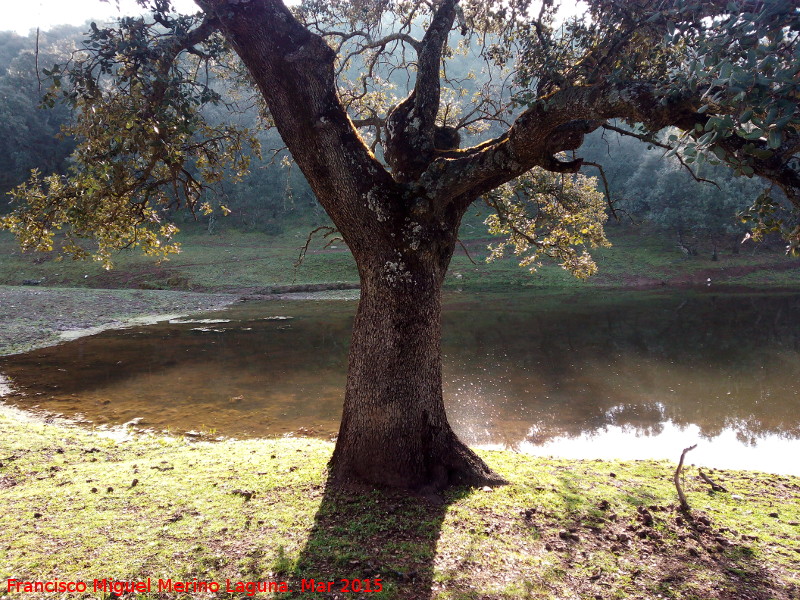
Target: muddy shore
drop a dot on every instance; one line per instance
(34, 317)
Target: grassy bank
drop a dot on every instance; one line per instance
(79, 507)
(249, 262)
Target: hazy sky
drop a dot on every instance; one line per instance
(24, 15)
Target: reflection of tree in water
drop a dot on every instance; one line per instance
(715, 361)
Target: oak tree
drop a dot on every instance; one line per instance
(393, 170)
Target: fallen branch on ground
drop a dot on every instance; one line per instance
(714, 486)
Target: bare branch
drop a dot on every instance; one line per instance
(714, 486)
(379, 43)
(677, 479)
(649, 139)
(606, 189)
(36, 62)
(464, 248)
(304, 250)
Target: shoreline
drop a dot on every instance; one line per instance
(139, 307)
(35, 317)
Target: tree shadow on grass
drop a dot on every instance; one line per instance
(370, 540)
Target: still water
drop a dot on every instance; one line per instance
(613, 375)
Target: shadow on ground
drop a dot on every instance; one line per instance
(656, 550)
(370, 541)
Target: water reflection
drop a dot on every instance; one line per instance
(611, 376)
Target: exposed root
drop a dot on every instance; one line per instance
(447, 464)
(467, 468)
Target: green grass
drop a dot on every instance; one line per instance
(236, 261)
(259, 510)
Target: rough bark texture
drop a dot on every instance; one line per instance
(394, 429)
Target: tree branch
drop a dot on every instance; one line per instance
(649, 139)
(677, 479)
(606, 188)
(294, 71)
(411, 125)
(558, 122)
(176, 44)
(379, 43)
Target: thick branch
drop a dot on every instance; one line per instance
(558, 123)
(294, 70)
(372, 43)
(177, 44)
(411, 125)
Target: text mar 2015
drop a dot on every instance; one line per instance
(250, 588)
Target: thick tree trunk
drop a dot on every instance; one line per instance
(394, 430)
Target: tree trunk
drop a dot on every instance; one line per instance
(394, 430)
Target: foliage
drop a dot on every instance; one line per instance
(144, 150)
(725, 73)
(567, 212)
(709, 202)
(143, 145)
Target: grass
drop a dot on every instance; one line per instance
(236, 261)
(79, 507)
(232, 261)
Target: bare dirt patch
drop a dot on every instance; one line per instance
(33, 317)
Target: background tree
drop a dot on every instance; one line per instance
(725, 74)
(28, 136)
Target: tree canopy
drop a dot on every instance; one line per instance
(364, 97)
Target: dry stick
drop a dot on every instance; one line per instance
(467, 252)
(714, 486)
(677, 479)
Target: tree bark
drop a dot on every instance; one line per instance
(394, 430)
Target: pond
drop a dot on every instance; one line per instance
(612, 375)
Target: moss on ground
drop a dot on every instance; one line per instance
(79, 506)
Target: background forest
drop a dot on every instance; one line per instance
(650, 191)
